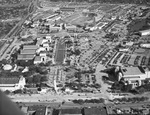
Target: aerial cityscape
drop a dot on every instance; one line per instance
(75, 57)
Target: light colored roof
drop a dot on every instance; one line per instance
(30, 47)
(133, 71)
(7, 67)
(28, 51)
(25, 57)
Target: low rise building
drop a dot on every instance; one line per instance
(27, 47)
(12, 83)
(39, 59)
(95, 111)
(28, 51)
(145, 32)
(133, 75)
(25, 57)
(70, 111)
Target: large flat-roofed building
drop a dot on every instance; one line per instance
(133, 75)
(28, 51)
(12, 83)
(25, 57)
(70, 111)
(33, 47)
(95, 111)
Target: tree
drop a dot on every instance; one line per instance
(7, 92)
(44, 78)
(37, 79)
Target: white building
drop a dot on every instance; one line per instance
(46, 46)
(147, 45)
(133, 75)
(145, 32)
(12, 83)
(39, 59)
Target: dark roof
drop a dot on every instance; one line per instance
(70, 111)
(39, 110)
(34, 108)
(9, 80)
(95, 111)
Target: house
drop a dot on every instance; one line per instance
(95, 111)
(43, 54)
(54, 29)
(70, 111)
(39, 59)
(49, 38)
(25, 57)
(41, 42)
(40, 49)
(46, 46)
(71, 28)
(133, 75)
(28, 51)
(12, 83)
(33, 47)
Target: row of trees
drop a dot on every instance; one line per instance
(81, 101)
(36, 79)
(134, 99)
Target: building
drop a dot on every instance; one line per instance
(12, 83)
(28, 51)
(39, 59)
(133, 75)
(46, 46)
(25, 57)
(70, 111)
(54, 29)
(27, 47)
(147, 45)
(145, 32)
(37, 110)
(71, 28)
(95, 111)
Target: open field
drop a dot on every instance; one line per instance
(60, 52)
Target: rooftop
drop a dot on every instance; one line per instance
(70, 111)
(95, 111)
(28, 51)
(9, 80)
(133, 71)
(30, 47)
(25, 57)
(37, 58)
(38, 110)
